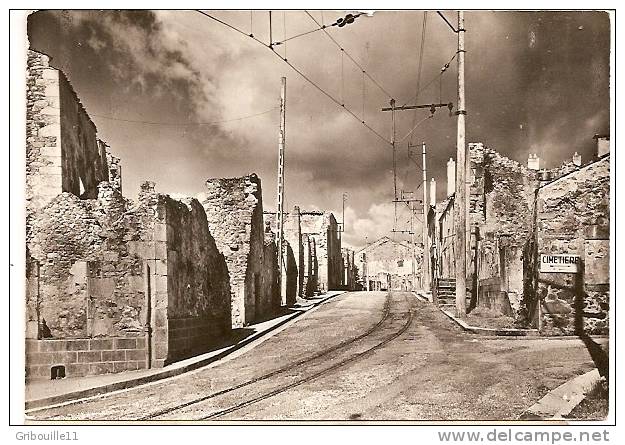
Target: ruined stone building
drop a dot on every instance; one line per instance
(310, 266)
(349, 276)
(503, 216)
(572, 218)
(322, 228)
(292, 285)
(313, 260)
(234, 209)
(387, 264)
(112, 284)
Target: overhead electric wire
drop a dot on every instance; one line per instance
(298, 71)
(390, 96)
(433, 79)
(415, 127)
(183, 124)
(420, 67)
(447, 21)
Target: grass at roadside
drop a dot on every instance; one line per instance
(595, 404)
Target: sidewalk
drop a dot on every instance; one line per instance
(43, 393)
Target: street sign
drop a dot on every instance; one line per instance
(562, 263)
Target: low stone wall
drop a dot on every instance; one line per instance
(193, 335)
(85, 356)
(491, 296)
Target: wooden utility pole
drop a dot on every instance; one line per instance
(460, 206)
(425, 271)
(280, 209)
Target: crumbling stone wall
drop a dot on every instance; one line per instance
(234, 209)
(310, 265)
(573, 217)
(270, 294)
(349, 275)
(108, 268)
(322, 226)
(502, 200)
(62, 153)
(83, 261)
(198, 288)
(293, 261)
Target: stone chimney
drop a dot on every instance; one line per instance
(603, 144)
(577, 159)
(433, 193)
(451, 177)
(533, 162)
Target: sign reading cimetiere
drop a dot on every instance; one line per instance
(560, 263)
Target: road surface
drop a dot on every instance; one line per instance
(360, 356)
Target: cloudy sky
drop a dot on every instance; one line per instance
(182, 98)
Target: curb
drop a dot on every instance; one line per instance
(173, 371)
(500, 332)
(561, 401)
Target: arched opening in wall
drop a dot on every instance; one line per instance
(57, 372)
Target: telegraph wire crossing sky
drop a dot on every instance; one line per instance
(197, 99)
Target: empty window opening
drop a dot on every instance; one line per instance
(57, 372)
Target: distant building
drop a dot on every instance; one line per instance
(387, 264)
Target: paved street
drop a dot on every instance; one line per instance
(360, 356)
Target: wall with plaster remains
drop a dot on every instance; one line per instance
(322, 226)
(234, 209)
(573, 217)
(502, 200)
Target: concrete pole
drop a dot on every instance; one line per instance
(425, 269)
(280, 210)
(394, 164)
(460, 206)
(414, 247)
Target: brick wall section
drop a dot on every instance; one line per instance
(234, 209)
(573, 217)
(85, 356)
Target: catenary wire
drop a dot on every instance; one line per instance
(298, 71)
(350, 57)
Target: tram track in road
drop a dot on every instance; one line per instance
(284, 369)
(311, 377)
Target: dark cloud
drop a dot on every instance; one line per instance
(536, 82)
